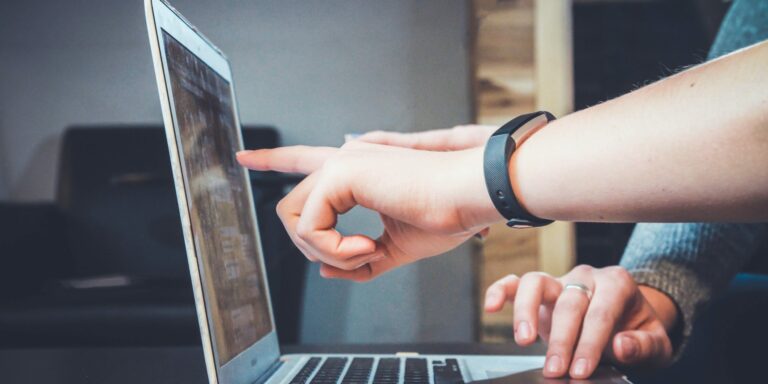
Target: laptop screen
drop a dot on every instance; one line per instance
(223, 229)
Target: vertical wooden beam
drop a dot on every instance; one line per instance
(553, 25)
(521, 60)
(504, 86)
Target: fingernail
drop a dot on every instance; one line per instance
(580, 368)
(243, 152)
(523, 331)
(554, 364)
(629, 345)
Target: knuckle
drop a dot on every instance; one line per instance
(508, 279)
(582, 269)
(303, 231)
(618, 273)
(533, 278)
(621, 281)
(281, 208)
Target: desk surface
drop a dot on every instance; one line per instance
(178, 364)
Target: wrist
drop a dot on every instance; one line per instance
(665, 308)
(528, 175)
(471, 200)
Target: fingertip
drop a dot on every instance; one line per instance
(358, 275)
(491, 307)
(248, 159)
(626, 348)
(356, 245)
(525, 333)
(582, 368)
(554, 367)
(325, 272)
(494, 299)
(241, 157)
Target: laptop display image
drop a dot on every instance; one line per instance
(218, 193)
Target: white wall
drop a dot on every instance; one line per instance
(314, 69)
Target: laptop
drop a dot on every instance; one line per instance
(223, 247)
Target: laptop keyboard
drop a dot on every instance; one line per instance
(387, 371)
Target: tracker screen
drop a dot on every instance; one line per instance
(223, 229)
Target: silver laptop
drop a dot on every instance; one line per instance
(221, 235)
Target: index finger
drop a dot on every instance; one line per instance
(294, 159)
(502, 290)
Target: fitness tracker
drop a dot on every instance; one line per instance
(498, 151)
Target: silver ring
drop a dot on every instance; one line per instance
(580, 287)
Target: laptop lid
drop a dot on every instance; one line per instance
(215, 200)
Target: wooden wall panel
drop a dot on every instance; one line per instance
(521, 62)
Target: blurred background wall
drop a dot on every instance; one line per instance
(314, 70)
(3, 166)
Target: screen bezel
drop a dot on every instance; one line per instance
(254, 361)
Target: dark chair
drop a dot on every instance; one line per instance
(105, 263)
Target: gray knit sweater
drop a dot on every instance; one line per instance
(693, 262)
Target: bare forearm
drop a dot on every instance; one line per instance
(692, 147)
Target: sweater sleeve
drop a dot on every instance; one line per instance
(690, 262)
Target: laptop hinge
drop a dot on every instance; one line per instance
(269, 372)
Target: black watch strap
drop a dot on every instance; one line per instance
(498, 151)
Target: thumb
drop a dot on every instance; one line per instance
(651, 347)
(381, 262)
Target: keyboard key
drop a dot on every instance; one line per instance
(330, 371)
(306, 371)
(449, 373)
(359, 371)
(388, 371)
(416, 371)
